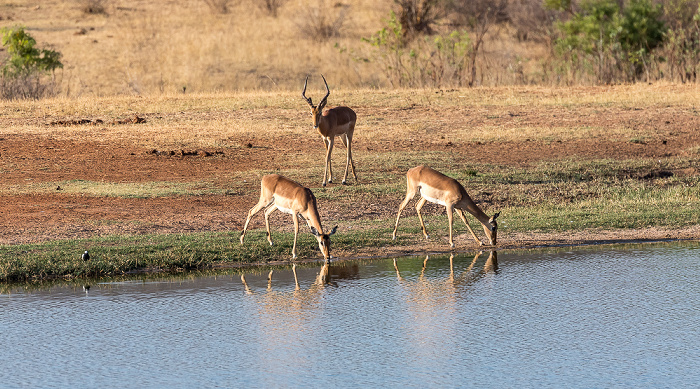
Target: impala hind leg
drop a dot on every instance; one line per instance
(410, 193)
(267, 222)
(349, 163)
(262, 203)
(296, 233)
(464, 219)
(419, 206)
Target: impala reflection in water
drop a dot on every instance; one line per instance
(431, 303)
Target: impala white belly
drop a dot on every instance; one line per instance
(285, 210)
(431, 199)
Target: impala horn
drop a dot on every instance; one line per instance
(303, 93)
(328, 93)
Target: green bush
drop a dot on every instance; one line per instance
(611, 43)
(26, 67)
(440, 60)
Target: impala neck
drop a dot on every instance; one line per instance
(323, 125)
(472, 208)
(313, 217)
(482, 218)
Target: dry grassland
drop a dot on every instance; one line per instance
(139, 47)
(153, 47)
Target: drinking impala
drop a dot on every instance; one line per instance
(440, 189)
(278, 192)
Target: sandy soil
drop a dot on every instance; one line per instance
(58, 215)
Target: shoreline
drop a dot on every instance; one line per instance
(512, 242)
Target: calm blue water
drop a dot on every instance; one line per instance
(619, 317)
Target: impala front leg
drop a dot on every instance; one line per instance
(328, 168)
(464, 219)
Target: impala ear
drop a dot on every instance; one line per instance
(333, 231)
(493, 218)
(314, 231)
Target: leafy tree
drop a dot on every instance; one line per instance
(434, 61)
(25, 65)
(24, 57)
(610, 42)
(641, 31)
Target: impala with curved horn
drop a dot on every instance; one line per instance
(338, 121)
(278, 192)
(440, 189)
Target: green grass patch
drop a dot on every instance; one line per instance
(115, 255)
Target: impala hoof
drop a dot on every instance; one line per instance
(344, 183)
(324, 184)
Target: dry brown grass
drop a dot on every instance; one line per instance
(144, 47)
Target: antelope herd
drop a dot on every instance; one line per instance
(280, 193)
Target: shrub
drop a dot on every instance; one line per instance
(271, 7)
(93, 6)
(434, 61)
(320, 24)
(682, 48)
(25, 69)
(416, 17)
(219, 6)
(613, 44)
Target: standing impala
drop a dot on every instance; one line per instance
(440, 189)
(281, 193)
(338, 121)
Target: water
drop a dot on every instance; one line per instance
(620, 317)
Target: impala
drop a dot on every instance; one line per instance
(277, 192)
(440, 189)
(338, 121)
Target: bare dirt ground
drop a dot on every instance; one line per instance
(56, 215)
